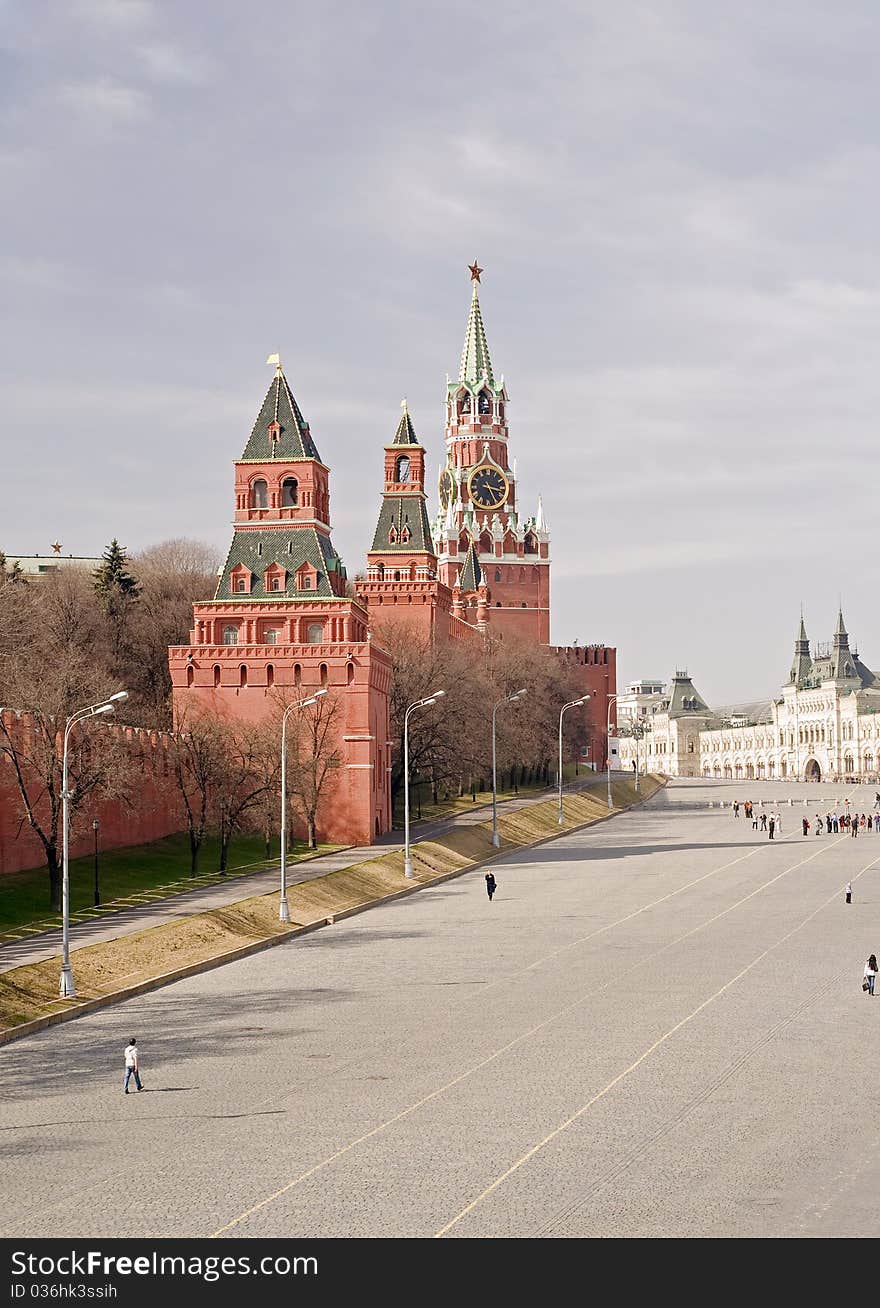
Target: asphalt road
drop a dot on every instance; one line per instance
(656, 1029)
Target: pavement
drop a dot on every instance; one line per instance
(656, 1029)
(157, 912)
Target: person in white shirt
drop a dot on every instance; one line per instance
(131, 1065)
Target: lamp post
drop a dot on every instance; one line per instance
(571, 704)
(508, 699)
(284, 907)
(66, 988)
(427, 702)
(612, 699)
(95, 827)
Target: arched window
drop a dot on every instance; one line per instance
(270, 675)
(270, 636)
(485, 543)
(464, 402)
(259, 494)
(289, 489)
(242, 675)
(484, 402)
(405, 534)
(297, 674)
(230, 634)
(323, 672)
(315, 634)
(274, 583)
(848, 763)
(401, 468)
(397, 575)
(350, 673)
(497, 574)
(189, 675)
(531, 545)
(216, 675)
(240, 585)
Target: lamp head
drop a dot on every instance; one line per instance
(118, 697)
(319, 693)
(437, 694)
(103, 710)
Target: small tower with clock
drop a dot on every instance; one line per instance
(478, 502)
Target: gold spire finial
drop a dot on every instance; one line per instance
(403, 405)
(475, 271)
(276, 359)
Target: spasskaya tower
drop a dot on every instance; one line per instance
(494, 559)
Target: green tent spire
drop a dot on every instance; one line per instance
(406, 432)
(475, 361)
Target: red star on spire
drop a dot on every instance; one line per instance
(475, 271)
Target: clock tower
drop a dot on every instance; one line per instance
(493, 558)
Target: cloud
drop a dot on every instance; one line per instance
(106, 103)
(121, 14)
(169, 63)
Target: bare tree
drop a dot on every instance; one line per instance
(249, 769)
(314, 746)
(197, 761)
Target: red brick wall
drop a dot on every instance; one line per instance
(155, 808)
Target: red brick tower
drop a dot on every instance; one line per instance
(495, 561)
(281, 624)
(402, 585)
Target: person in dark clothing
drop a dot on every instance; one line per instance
(491, 885)
(806, 825)
(772, 825)
(763, 821)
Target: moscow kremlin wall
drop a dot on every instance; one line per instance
(283, 621)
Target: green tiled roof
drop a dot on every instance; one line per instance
(295, 441)
(396, 511)
(471, 573)
(475, 361)
(406, 432)
(290, 549)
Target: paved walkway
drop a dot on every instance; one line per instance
(204, 898)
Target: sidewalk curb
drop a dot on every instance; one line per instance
(257, 947)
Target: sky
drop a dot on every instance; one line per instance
(676, 209)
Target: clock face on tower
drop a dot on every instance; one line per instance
(446, 486)
(488, 487)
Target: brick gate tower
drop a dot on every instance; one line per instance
(495, 561)
(282, 623)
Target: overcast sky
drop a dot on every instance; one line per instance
(676, 208)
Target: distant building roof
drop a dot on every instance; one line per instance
(38, 565)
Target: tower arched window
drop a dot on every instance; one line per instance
(497, 574)
(190, 675)
(242, 675)
(315, 635)
(289, 492)
(484, 402)
(216, 675)
(270, 675)
(230, 634)
(350, 673)
(530, 545)
(259, 494)
(464, 402)
(401, 468)
(297, 674)
(323, 673)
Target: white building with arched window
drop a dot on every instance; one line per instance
(823, 725)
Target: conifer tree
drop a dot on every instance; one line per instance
(118, 591)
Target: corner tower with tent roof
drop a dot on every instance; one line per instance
(281, 623)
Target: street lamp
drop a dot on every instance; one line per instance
(509, 699)
(284, 907)
(427, 702)
(612, 699)
(66, 988)
(572, 704)
(95, 826)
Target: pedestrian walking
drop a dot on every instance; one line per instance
(870, 973)
(131, 1065)
(806, 825)
(491, 885)
(778, 817)
(819, 826)
(849, 892)
(835, 822)
(771, 826)
(876, 823)
(877, 800)
(763, 821)
(754, 820)
(854, 827)
(828, 823)
(736, 808)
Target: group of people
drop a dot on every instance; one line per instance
(769, 822)
(843, 824)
